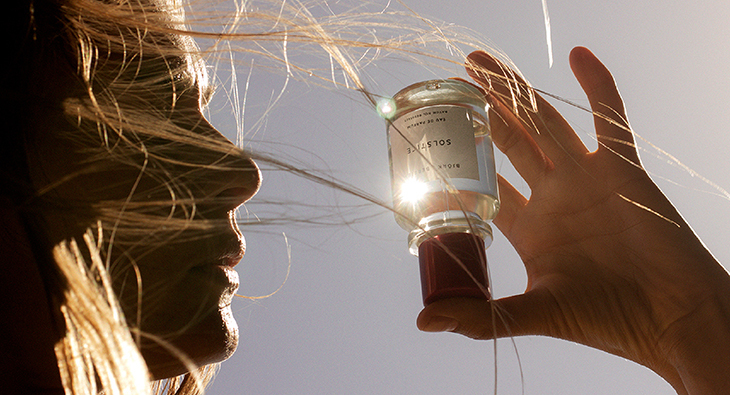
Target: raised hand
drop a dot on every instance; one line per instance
(610, 262)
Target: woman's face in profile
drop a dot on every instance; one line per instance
(166, 213)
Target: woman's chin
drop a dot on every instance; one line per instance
(211, 341)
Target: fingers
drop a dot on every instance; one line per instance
(545, 124)
(517, 315)
(498, 79)
(511, 201)
(510, 136)
(612, 126)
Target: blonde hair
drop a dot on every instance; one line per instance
(127, 51)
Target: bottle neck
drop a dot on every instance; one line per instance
(452, 221)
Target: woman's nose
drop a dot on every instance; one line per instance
(240, 182)
(225, 176)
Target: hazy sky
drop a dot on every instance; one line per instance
(344, 322)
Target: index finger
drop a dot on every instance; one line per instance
(611, 123)
(549, 129)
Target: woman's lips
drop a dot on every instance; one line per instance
(230, 291)
(219, 272)
(233, 251)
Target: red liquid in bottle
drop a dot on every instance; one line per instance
(453, 265)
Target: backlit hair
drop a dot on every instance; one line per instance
(124, 54)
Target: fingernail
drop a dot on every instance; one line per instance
(440, 324)
(484, 59)
(478, 55)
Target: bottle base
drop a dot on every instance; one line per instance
(453, 265)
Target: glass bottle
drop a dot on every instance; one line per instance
(444, 183)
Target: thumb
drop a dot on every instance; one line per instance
(517, 315)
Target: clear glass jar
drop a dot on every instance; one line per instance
(443, 176)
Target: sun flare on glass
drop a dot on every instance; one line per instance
(412, 190)
(386, 108)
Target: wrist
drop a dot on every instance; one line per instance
(697, 346)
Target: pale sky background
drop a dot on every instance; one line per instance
(344, 322)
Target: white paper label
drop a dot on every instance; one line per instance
(439, 142)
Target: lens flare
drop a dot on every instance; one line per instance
(386, 108)
(412, 190)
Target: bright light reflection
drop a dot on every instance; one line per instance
(386, 108)
(412, 190)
